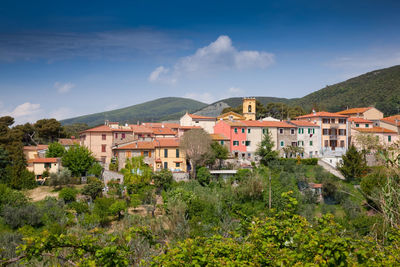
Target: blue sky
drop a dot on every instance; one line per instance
(67, 58)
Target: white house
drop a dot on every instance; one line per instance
(207, 123)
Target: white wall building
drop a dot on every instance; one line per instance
(207, 123)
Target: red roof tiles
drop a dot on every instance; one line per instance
(359, 120)
(353, 111)
(166, 142)
(140, 145)
(43, 160)
(321, 114)
(375, 130)
(304, 123)
(394, 120)
(218, 137)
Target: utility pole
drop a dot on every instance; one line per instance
(269, 201)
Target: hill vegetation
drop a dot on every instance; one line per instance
(160, 109)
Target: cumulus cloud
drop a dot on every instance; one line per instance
(26, 112)
(63, 87)
(203, 97)
(219, 55)
(235, 91)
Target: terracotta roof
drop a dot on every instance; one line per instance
(304, 123)
(163, 131)
(140, 129)
(353, 111)
(392, 120)
(321, 114)
(105, 128)
(231, 113)
(218, 137)
(43, 160)
(359, 120)
(253, 123)
(166, 142)
(189, 127)
(277, 124)
(68, 141)
(137, 146)
(194, 116)
(375, 130)
(160, 124)
(38, 147)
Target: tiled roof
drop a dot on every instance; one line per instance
(163, 131)
(160, 124)
(353, 111)
(375, 130)
(194, 116)
(315, 185)
(166, 142)
(38, 147)
(253, 123)
(137, 146)
(43, 160)
(140, 129)
(359, 120)
(68, 141)
(392, 120)
(235, 123)
(189, 127)
(105, 128)
(321, 114)
(277, 124)
(304, 123)
(218, 137)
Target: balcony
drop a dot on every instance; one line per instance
(335, 125)
(333, 137)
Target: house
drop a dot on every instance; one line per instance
(221, 139)
(308, 136)
(335, 131)
(135, 149)
(360, 123)
(231, 116)
(391, 123)
(385, 136)
(168, 155)
(40, 165)
(140, 132)
(236, 132)
(286, 137)
(34, 152)
(183, 129)
(207, 123)
(368, 113)
(68, 142)
(163, 132)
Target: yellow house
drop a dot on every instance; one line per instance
(168, 155)
(40, 165)
(391, 123)
(368, 113)
(231, 116)
(34, 152)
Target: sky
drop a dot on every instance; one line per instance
(63, 59)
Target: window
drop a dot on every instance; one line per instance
(292, 131)
(177, 164)
(235, 143)
(313, 131)
(165, 165)
(249, 108)
(325, 121)
(389, 138)
(103, 137)
(145, 153)
(265, 131)
(282, 143)
(342, 132)
(236, 130)
(325, 131)
(116, 135)
(311, 143)
(177, 153)
(342, 121)
(243, 142)
(333, 120)
(103, 148)
(103, 160)
(243, 130)
(299, 130)
(47, 165)
(84, 137)
(196, 121)
(128, 154)
(247, 143)
(248, 130)
(341, 143)
(357, 125)
(280, 131)
(165, 153)
(123, 135)
(222, 142)
(366, 125)
(326, 143)
(309, 130)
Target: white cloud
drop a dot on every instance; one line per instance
(63, 88)
(26, 112)
(203, 97)
(235, 91)
(61, 113)
(219, 55)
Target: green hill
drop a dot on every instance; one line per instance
(236, 101)
(379, 88)
(161, 109)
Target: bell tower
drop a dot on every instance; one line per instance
(249, 108)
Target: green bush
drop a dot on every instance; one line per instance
(79, 207)
(16, 217)
(94, 188)
(203, 176)
(68, 194)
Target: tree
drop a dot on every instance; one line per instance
(203, 176)
(78, 160)
(4, 162)
(55, 150)
(265, 150)
(292, 151)
(60, 178)
(136, 171)
(68, 194)
(163, 179)
(74, 129)
(353, 166)
(118, 207)
(94, 188)
(195, 143)
(96, 170)
(49, 130)
(220, 152)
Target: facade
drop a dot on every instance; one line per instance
(68, 142)
(136, 148)
(360, 123)
(392, 123)
(368, 113)
(34, 152)
(40, 165)
(335, 132)
(231, 116)
(287, 136)
(164, 132)
(207, 123)
(385, 136)
(168, 155)
(236, 131)
(308, 136)
(249, 108)
(183, 129)
(221, 139)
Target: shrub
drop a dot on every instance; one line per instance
(63, 177)
(95, 170)
(93, 189)
(203, 176)
(79, 207)
(163, 179)
(68, 194)
(16, 217)
(242, 175)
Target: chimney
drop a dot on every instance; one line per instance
(313, 111)
(106, 122)
(137, 123)
(72, 137)
(162, 125)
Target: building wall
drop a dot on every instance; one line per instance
(331, 137)
(389, 126)
(185, 120)
(207, 125)
(373, 114)
(171, 159)
(287, 137)
(305, 135)
(93, 141)
(30, 154)
(251, 116)
(123, 155)
(382, 137)
(38, 168)
(241, 138)
(255, 137)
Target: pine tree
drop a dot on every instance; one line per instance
(265, 150)
(353, 165)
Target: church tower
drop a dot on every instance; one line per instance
(249, 108)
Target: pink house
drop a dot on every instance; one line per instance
(236, 131)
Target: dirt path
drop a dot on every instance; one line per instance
(43, 191)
